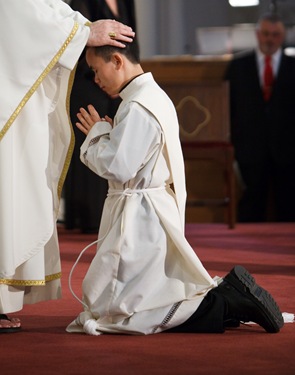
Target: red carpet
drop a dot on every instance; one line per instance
(267, 250)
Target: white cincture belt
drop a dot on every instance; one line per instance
(129, 191)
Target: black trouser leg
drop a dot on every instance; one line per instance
(208, 318)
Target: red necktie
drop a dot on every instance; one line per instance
(268, 78)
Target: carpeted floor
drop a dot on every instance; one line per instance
(267, 250)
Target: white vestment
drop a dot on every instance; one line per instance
(145, 277)
(41, 41)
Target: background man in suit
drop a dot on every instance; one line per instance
(262, 86)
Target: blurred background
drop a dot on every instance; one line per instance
(177, 27)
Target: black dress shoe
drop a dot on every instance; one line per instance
(231, 323)
(247, 301)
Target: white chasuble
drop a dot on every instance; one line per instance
(41, 41)
(145, 277)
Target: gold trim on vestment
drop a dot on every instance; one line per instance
(47, 70)
(72, 141)
(31, 282)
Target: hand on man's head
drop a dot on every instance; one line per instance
(109, 32)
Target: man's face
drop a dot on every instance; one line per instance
(270, 36)
(106, 74)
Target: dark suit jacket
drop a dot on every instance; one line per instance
(262, 130)
(98, 9)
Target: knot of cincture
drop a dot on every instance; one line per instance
(91, 327)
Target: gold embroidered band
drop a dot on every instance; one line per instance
(31, 282)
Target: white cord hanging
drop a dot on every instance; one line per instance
(73, 268)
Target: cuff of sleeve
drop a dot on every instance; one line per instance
(99, 129)
(71, 54)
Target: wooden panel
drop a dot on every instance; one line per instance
(186, 69)
(202, 109)
(199, 94)
(204, 181)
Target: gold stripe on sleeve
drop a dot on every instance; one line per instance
(47, 70)
(72, 141)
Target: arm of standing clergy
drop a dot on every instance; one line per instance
(64, 15)
(61, 39)
(65, 10)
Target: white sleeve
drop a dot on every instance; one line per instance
(97, 131)
(44, 33)
(63, 14)
(65, 10)
(121, 153)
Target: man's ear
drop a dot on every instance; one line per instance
(117, 60)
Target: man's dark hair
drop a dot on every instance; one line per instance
(271, 17)
(131, 51)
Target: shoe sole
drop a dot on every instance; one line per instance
(242, 280)
(10, 330)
